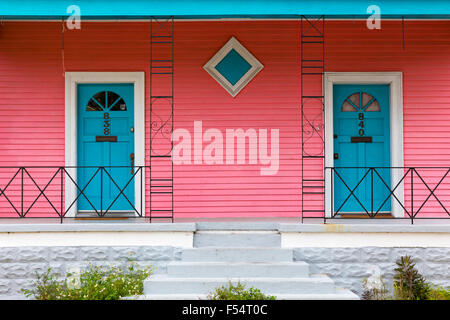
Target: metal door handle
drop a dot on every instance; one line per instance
(132, 162)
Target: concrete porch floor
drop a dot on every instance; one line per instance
(238, 224)
(243, 222)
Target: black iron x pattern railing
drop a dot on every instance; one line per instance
(62, 177)
(412, 197)
(410, 191)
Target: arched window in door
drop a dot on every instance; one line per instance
(360, 101)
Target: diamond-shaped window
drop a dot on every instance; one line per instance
(233, 66)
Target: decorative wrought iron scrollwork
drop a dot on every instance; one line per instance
(312, 139)
(161, 128)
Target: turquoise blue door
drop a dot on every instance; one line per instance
(105, 138)
(361, 141)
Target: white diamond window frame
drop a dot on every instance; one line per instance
(256, 67)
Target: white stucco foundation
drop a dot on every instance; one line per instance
(133, 238)
(364, 235)
(359, 240)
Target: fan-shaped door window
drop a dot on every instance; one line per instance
(359, 102)
(106, 101)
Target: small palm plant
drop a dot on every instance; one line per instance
(409, 284)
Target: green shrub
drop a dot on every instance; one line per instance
(238, 292)
(375, 288)
(93, 283)
(439, 293)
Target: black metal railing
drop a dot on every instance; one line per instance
(40, 191)
(356, 192)
(370, 192)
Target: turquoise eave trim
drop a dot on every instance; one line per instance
(138, 9)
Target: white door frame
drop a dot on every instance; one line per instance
(72, 80)
(395, 81)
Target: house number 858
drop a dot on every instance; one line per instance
(107, 123)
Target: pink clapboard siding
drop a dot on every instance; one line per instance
(32, 102)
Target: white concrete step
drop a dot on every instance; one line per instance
(164, 284)
(232, 238)
(237, 254)
(238, 269)
(340, 294)
(249, 225)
